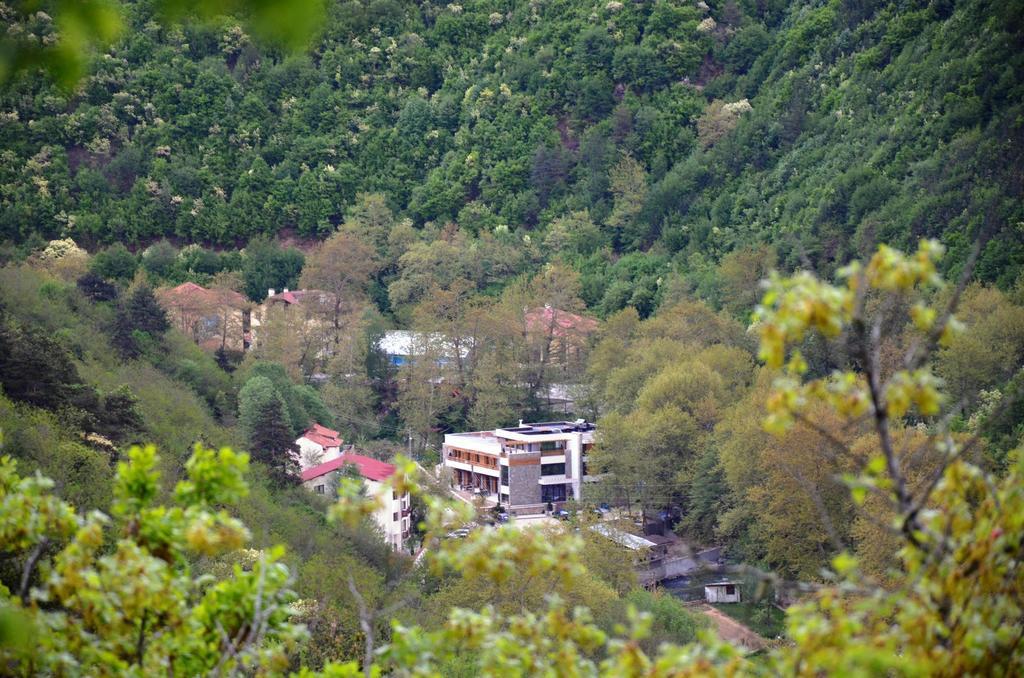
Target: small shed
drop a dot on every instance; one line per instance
(722, 592)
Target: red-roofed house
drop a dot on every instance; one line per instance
(214, 318)
(560, 336)
(317, 445)
(302, 312)
(393, 516)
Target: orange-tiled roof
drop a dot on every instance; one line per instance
(191, 294)
(323, 436)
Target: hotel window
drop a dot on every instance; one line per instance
(552, 469)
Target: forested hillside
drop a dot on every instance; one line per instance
(708, 135)
(773, 251)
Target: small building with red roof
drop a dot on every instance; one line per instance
(561, 336)
(393, 515)
(317, 445)
(297, 309)
(213, 317)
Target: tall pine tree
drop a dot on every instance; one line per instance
(264, 419)
(139, 318)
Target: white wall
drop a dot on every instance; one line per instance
(384, 516)
(311, 454)
(717, 594)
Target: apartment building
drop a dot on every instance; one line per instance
(523, 468)
(394, 513)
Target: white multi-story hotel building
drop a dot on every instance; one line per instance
(525, 467)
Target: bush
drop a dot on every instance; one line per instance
(115, 263)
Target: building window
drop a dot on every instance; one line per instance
(504, 475)
(730, 590)
(319, 489)
(549, 445)
(504, 499)
(394, 496)
(552, 493)
(552, 469)
(394, 517)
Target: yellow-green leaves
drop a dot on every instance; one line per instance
(893, 271)
(213, 477)
(958, 611)
(844, 563)
(791, 307)
(353, 505)
(923, 316)
(27, 512)
(137, 481)
(213, 534)
(918, 389)
(124, 601)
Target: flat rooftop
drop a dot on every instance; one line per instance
(549, 427)
(486, 435)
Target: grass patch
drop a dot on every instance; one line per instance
(762, 618)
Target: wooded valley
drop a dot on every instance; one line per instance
(773, 251)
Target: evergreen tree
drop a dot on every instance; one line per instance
(264, 418)
(120, 417)
(33, 367)
(271, 442)
(139, 319)
(96, 288)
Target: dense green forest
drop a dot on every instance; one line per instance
(693, 177)
(591, 133)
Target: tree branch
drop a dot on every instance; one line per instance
(30, 564)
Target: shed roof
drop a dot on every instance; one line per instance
(630, 541)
